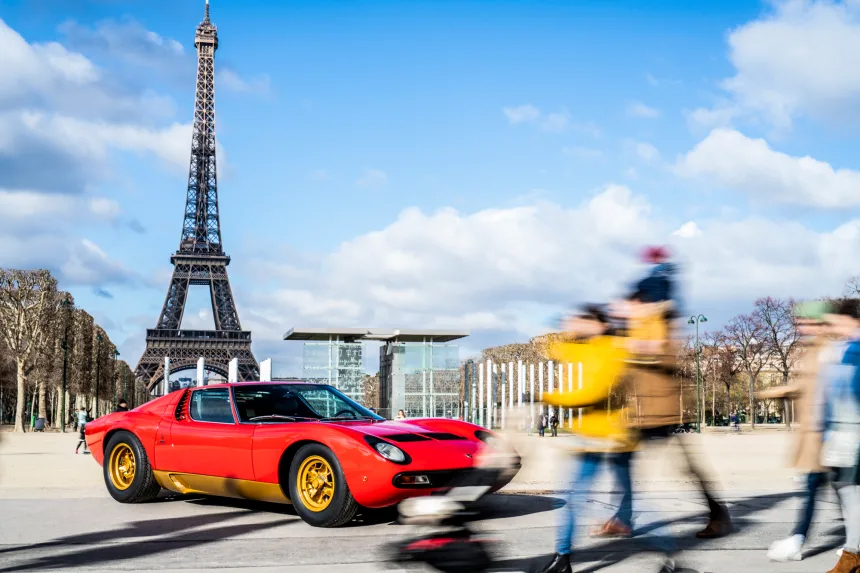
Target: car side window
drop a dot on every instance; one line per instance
(211, 405)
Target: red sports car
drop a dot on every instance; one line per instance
(299, 443)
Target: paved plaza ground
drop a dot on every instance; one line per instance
(56, 515)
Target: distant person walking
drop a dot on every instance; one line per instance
(401, 415)
(82, 424)
(541, 425)
(553, 424)
(122, 406)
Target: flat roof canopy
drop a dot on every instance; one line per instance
(383, 335)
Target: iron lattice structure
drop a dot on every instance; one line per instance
(200, 259)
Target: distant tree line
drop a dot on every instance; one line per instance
(41, 331)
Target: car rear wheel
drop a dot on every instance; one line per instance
(127, 471)
(318, 488)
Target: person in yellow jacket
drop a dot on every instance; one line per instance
(603, 434)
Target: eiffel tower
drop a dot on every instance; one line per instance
(200, 259)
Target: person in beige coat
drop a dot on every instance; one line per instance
(806, 453)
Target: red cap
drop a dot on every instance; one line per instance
(655, 255)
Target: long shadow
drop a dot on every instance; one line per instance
(162, 535)
(615, 551)
(495, 506)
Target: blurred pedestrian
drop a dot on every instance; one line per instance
(655, 388)
(806, 454)
(602, 431)
(541, 424)
(838, 409)
(401, 415)
(82, 419)
(122, 406)
(553, 424)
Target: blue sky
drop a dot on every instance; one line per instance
(475, 165)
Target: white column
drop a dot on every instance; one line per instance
(472, 404)
(579, 383)
(482, 421)
(266, 370)
(570, 389)
(540, 382)
(560, 390)
(201, 371)
(521, 386)
(532, 394)
(550, 383)
(165, 384)
(490, 366)
(233, 370)
(510, 381)
(495, 400)
(503, 381)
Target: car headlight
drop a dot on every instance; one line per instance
(390, 452)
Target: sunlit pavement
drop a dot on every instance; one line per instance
(56, 515)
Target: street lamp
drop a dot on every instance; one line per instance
(66, 304)
(696, 320)
(113, 378)
(98, 362)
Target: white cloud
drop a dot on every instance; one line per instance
(507, 270)
(750, 165)
(29, 205)
(231, 80)
(639, 109)
(372, 178)
(556, 122)
(802, 58)
(688, 230)
(646, 152)
(521, 113)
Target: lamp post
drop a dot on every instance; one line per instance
(98, 362)
(696, 320)
(113, 378)
(66, 304)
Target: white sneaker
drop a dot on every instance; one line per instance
(839, 552)
(788, 549)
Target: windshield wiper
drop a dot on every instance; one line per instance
(279, 417)
(346, 418)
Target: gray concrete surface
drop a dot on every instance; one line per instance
(57, 516)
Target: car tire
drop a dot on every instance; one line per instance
(318, 488)
(127, 471)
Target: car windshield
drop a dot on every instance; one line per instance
(296, 402)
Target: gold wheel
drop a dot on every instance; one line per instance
(315, 481)
(122, 466)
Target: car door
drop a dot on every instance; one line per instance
(206, 440)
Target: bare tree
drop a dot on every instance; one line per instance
(28, 303)
(746, 335)
(781, 337)
(852, 287)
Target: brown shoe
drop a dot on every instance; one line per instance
(716, 528)
(848, 563)
(612, 528)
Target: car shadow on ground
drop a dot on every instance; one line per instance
(135, 540)
(494, 506)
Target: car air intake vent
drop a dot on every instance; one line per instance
(181, 412)
(443, 436)
(406, 438)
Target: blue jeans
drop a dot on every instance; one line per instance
(814, 481)
(588, 465)
(620, 464)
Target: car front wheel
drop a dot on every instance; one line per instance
(318, 488)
